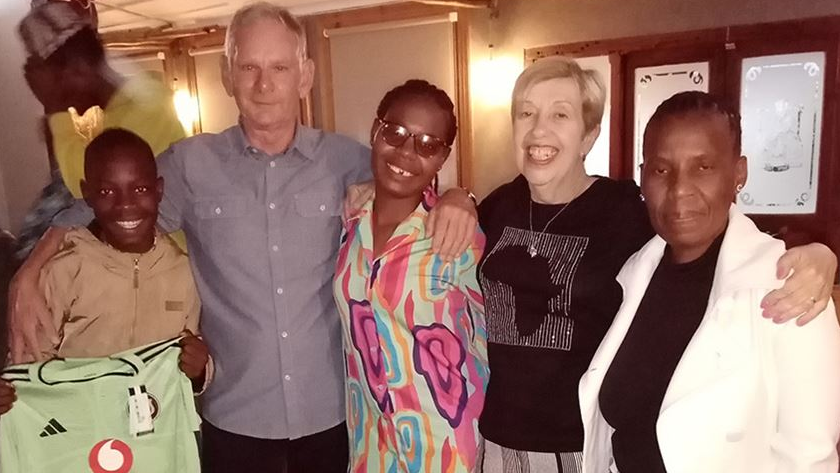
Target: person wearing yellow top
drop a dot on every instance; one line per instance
(66, 68)
(141, 104)
(82, 95)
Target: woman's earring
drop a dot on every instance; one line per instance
(739, 188)
(642, 197)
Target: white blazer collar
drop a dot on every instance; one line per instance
(739, 264)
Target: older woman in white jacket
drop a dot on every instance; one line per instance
(690, 377)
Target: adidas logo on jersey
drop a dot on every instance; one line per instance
(53, 427)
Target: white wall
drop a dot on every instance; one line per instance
(598, 160)
(24, 169)
(367, 64)
(217, 109)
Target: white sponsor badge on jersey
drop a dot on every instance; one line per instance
(139, 411)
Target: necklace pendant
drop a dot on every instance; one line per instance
(532, 250)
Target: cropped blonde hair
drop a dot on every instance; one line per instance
(589, 81)
(263, 11)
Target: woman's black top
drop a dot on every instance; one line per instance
(547, 314)
(635, 384)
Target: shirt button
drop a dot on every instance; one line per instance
(271, 206)
(323, 207)
(272, 164)
(218, 210)
(284, 334)
(275, 248)
(279, 290)
(287, 378)
(380, 388)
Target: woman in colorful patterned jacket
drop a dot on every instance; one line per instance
(414, 335)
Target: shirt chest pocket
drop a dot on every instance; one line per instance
(317, 204)
(315, 224)
(220, 208)
(221, 220)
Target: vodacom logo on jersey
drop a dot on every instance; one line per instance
(110, 456)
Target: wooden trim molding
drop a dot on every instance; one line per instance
(321, 96)
(462, 101)
(616, 115)
(319, 48)
(780, 30)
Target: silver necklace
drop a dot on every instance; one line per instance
(532, 248)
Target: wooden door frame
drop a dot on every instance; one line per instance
(322, 91)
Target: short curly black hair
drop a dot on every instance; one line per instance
(421, 88)
(100, 149)
(693, 101)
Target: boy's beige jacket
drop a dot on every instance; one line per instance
(104, 301)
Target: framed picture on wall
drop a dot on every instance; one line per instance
(781, 107)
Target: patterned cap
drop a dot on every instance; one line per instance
(48, 26)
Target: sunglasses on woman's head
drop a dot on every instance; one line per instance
(426, 146)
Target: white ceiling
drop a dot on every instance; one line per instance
(117, 15)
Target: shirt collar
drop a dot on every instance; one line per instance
(303, 143)
(415, 220)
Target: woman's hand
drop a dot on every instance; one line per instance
(806, 292)
(356, 197)
(451, 224)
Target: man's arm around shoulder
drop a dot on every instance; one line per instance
(28, 315)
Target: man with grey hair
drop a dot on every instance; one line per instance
(261, 206)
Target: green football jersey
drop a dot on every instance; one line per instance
(74, 415)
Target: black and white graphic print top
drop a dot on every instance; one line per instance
(549, 298)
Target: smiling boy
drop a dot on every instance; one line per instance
(118, 284)
(120, 294)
